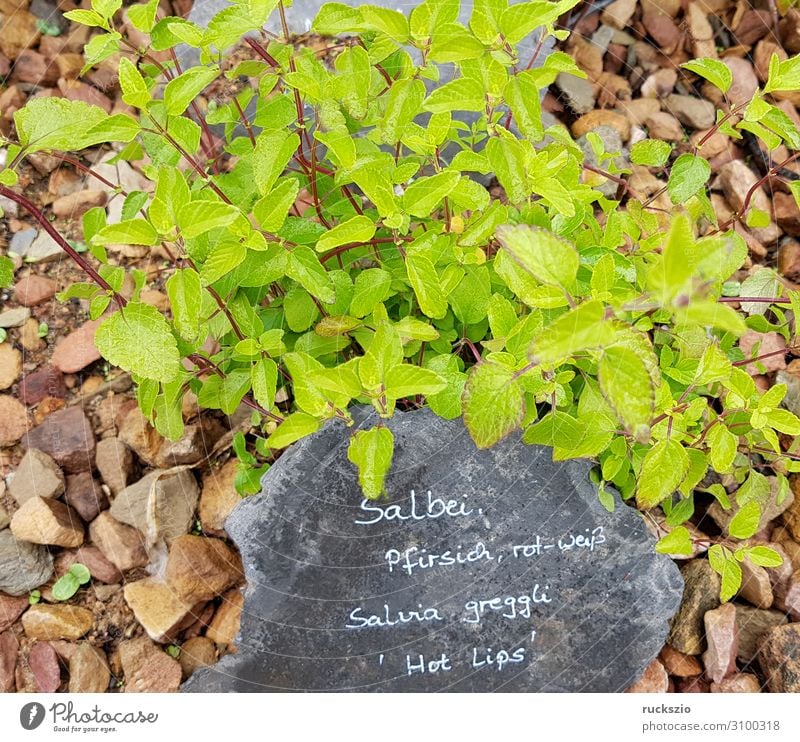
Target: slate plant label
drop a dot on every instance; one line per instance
(490, 570)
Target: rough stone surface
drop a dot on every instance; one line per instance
(779, 657)
(23, 566)
(218, 497)
(199, 651)
(679, 664)
(195, 444)
(736, 180)
(147, 668)
(88, 670)
(13, 420)
(654, 680)
(9, 651)
(121, 544)
(14, 317)
(85, 495)
(752, 625)
(43, 249)
(770, 510)
(44, 382)
(11, 608)
(43, 662)
(226, 623)
(201, 568)
(137, 433)
(76, 350)
(700, 594)
(161, 505)
(34, 289)
(49, 622)
(10, 365)
(723, 642)
(67, 436)
(741, 682)
(756, 586)
(92, 558)
(36, 476)
(114, 461)
(49, 522)
(315, 558)
(158, 608)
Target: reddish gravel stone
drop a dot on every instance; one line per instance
(32, 290)
(9, 650)
(11, 609)
(92, 558)
(13, 420)
(44, 382)
(85, 495)
(67, 437)
(77, 350)
(43, 662)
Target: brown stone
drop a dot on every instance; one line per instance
(786, 213)
(779, 657)
(741, 682)
(700, 594)
(663, 30)
(788, 596)
(654, 680)
(92, 558)
(33, 289)
(639, 110)
(32, 67)
(147, 668)
(619, 13)
(29, 336)
(736, 180)
(77, 350)
(694, 112)
(770, 509)
(88, 670)
(44, 382)
(158, 608)
(69, 65)
(194, 445)
(114, 461)
(36, 476)
(13, 420)
(67, 436)
(85, 495)
(218, 497)
(789, 31)
(745, 82)
(756, 586)
(590, 121)
(43, 662)
(75, 205)
(48, 622)
(700, 31)
(76, 90)
(663, 125)
(197, 652)
(200, 568)
(18, 32)
(225, 625)
(789, 260)
(11, 608)
(11, 100)
(49, 522)
(714, 145)
(679, 664)
(10, 365)
(723, 642)
(122, 545)
(137, 433)
(9, 651)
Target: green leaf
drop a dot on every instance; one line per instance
(427, 286)
(296, 426)
(143, 17)
(222, 260)
(716, 72)
(273, 151)
(264, 376)
(80, 572)
(137, 338)
(371, 451)
(185, 297)
(182, 90)
(724, 564)
(425, 194)
(507, 158)
(651, 152)
(628, 387)
(384, 352)
(545, 256)
(86, 18)
(783, 74)
(579, 329)
(405, 380)
(522, 96)
(403, 103)
(271, 210)
(65, 586)
(55, 123)
(494, 403)
(134, 89)
(461, 94)
(334, 19)
(305, 268)
(391, 22)
(198, 217)
(356, 229)
(722, 446)
(688, 176)
(129, 232)
(6, 271)
(746, 521)
(372, 286)
(677, 541)
(663, 469)
(763, 556)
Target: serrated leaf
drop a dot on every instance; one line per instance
(296, 426)
(427, 286)
(663, 469)
(137, 338)
(371, 451)
(185, 297)
(134, 89)
(182, 90)
(651, 152)
(746, 521)
(304, 267)
(198, 217)
(130, 232)
(493, 403)
(545, 256)
(356, 229)
(627, 386)
(716, 72)
(264, 378)
(406, 380)
(271, 210)
(56, 123)
(688, 175)
(763, 556)
(677, 541)
(372, 286)
(403, 103)
(461, 94)
(425, 194)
